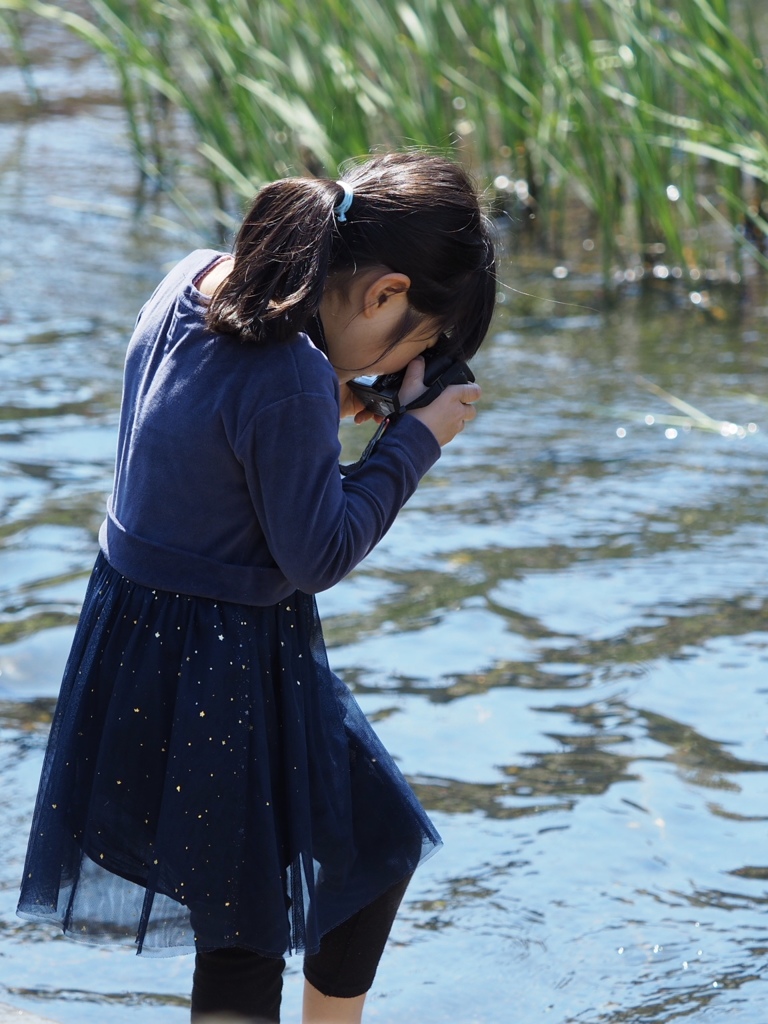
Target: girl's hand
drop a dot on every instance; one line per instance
(352, 406)
(366, 414)
(447, 415)
(413, 381)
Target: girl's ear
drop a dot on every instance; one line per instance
(383, 289)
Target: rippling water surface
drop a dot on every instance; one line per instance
(563, 639)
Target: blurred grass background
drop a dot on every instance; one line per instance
(626, 133)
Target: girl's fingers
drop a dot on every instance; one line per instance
(447, 415)
(470, 393)
(413, 381)
(365, 415)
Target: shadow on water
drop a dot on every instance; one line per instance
(562, 639)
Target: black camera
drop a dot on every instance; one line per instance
(380, 394)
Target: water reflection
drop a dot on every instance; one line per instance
(587, 763)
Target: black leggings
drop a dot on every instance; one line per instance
(240, 984)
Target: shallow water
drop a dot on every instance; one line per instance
(562, 639)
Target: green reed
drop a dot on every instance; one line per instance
(639, 125)
(9, 26)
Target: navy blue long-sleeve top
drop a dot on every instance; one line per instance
(227, 481)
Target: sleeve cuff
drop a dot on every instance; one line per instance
(415, 440)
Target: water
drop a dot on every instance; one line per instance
(562, 639)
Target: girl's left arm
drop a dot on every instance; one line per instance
(317, 525)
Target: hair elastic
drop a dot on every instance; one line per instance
(342, 209)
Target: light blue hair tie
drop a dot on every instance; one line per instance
(342, 209)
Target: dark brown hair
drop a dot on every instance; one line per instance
(413, 213)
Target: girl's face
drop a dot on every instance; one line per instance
(360, 322)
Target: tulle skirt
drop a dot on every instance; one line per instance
(209, 782)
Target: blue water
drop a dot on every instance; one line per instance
(563, 639)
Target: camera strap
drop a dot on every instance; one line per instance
(368, 450)
(427, 396)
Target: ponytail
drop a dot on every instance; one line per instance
(412, 213)
(282, 256)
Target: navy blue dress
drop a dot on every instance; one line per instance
(209, 782)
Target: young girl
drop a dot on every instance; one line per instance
(209, 784)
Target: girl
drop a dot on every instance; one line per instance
(209, 784)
